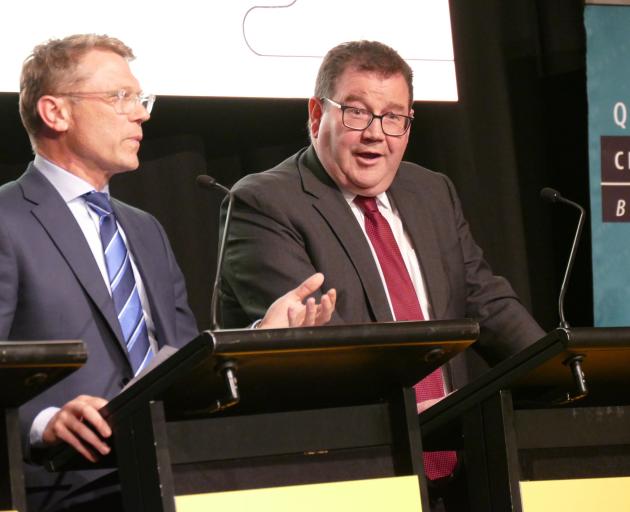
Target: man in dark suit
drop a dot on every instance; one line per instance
(320, 209)
(75, 264)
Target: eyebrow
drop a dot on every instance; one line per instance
(390, 107)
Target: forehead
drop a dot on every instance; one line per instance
(106, 69)
(369, 86)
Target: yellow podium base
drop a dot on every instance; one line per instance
(398, 493)
(578, 495)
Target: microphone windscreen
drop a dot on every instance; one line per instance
(550, 195)
(205, 181)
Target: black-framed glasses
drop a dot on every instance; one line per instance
(123, 101)
(355, 118)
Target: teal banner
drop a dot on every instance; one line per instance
(608, 85)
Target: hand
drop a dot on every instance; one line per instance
(70, 425)
(290, 310)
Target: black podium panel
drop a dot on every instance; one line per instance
(26, 369)
(539, 416)
(300, 405)
(29, 367)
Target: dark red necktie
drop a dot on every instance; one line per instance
(406, 307)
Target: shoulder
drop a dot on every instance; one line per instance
(417, 176)
(279, 181)
(10, 192)
(284, 172)
(13, 203)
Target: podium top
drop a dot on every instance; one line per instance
(284, 369)
(540, 375)
(29, 367)
(289, 369)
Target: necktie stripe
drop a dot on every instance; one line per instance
(115, 247)
(134, 335)
(144, 362)
(123, 293)
(101, 212)
(130, 315)
(122, 283)
(119, 271)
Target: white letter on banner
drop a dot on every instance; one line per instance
(618, 166)
(620, 114)
(621, 208)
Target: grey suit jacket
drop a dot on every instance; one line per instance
(293, 220)
(51, 288)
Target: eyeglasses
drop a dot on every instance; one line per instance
(355, 118)
(123, 101)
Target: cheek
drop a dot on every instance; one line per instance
(397, 148)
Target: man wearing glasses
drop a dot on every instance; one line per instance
(75, 264)
(389, 235)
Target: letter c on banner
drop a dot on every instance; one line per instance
(620, 114)
(618, 165)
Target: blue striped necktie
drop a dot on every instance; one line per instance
(122, 283)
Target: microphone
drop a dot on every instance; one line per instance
(208, 182)
(553, 196)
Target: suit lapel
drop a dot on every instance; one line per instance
(332, 206)
(415, 216)
(57, 220)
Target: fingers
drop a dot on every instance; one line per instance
(294, 309)
(79, 424)
(310, 312)
(326, 307)
(309, 285)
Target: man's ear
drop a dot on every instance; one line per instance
(315, 112)
(54, 113)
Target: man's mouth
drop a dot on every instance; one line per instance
(368, 155)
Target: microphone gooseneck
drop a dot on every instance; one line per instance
(208, 182)
(553, 196)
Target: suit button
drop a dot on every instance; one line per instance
(123, 382)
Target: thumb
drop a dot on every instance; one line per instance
(308, 286)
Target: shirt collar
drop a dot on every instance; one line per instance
(68, 185)
(382, 200)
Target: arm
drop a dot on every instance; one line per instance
(266, 256)
(506, 326)
(65, 423)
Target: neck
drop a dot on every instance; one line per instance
(97, 178)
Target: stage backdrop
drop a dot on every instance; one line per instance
(608, 83)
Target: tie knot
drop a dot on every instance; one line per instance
(367, 204)
(99, 203)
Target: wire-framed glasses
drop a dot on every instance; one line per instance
(123, 101)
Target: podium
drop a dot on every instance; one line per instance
(246, 409)
(558, 410)
(26, 369)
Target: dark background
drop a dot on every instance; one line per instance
(520, 125)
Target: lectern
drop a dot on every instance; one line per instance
(243, 409)
(26, 369)
(558, 410)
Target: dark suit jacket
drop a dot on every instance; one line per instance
(293, 220)
(51, 288)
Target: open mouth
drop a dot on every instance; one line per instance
(368, 155)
